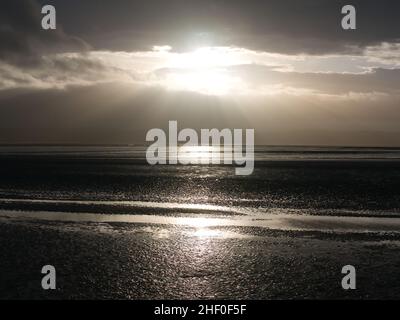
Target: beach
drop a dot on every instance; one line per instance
(139, 261)
(116, 228)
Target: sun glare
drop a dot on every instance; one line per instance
(213, 82)
(202, 71)
(203, 58)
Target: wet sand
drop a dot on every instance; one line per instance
(117, 260)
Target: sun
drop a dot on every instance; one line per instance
(206, 57)
(213, 82)
(203, 70)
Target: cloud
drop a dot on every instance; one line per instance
(211, 71)
(22, 39)
(60, 71)
(376, 80)
(385, 53)
(282, 26)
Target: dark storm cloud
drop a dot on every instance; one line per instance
(59, 71)
(307, 26)
(22, 39)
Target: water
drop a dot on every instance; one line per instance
(116, 179)
(262, 153)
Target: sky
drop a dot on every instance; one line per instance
(112, 70)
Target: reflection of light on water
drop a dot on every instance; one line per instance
(200, 222)
(207, 233)
(196, 154)
(201, 227)
(204, 154)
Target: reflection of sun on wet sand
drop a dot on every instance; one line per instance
(284, 222)
(187, 257)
